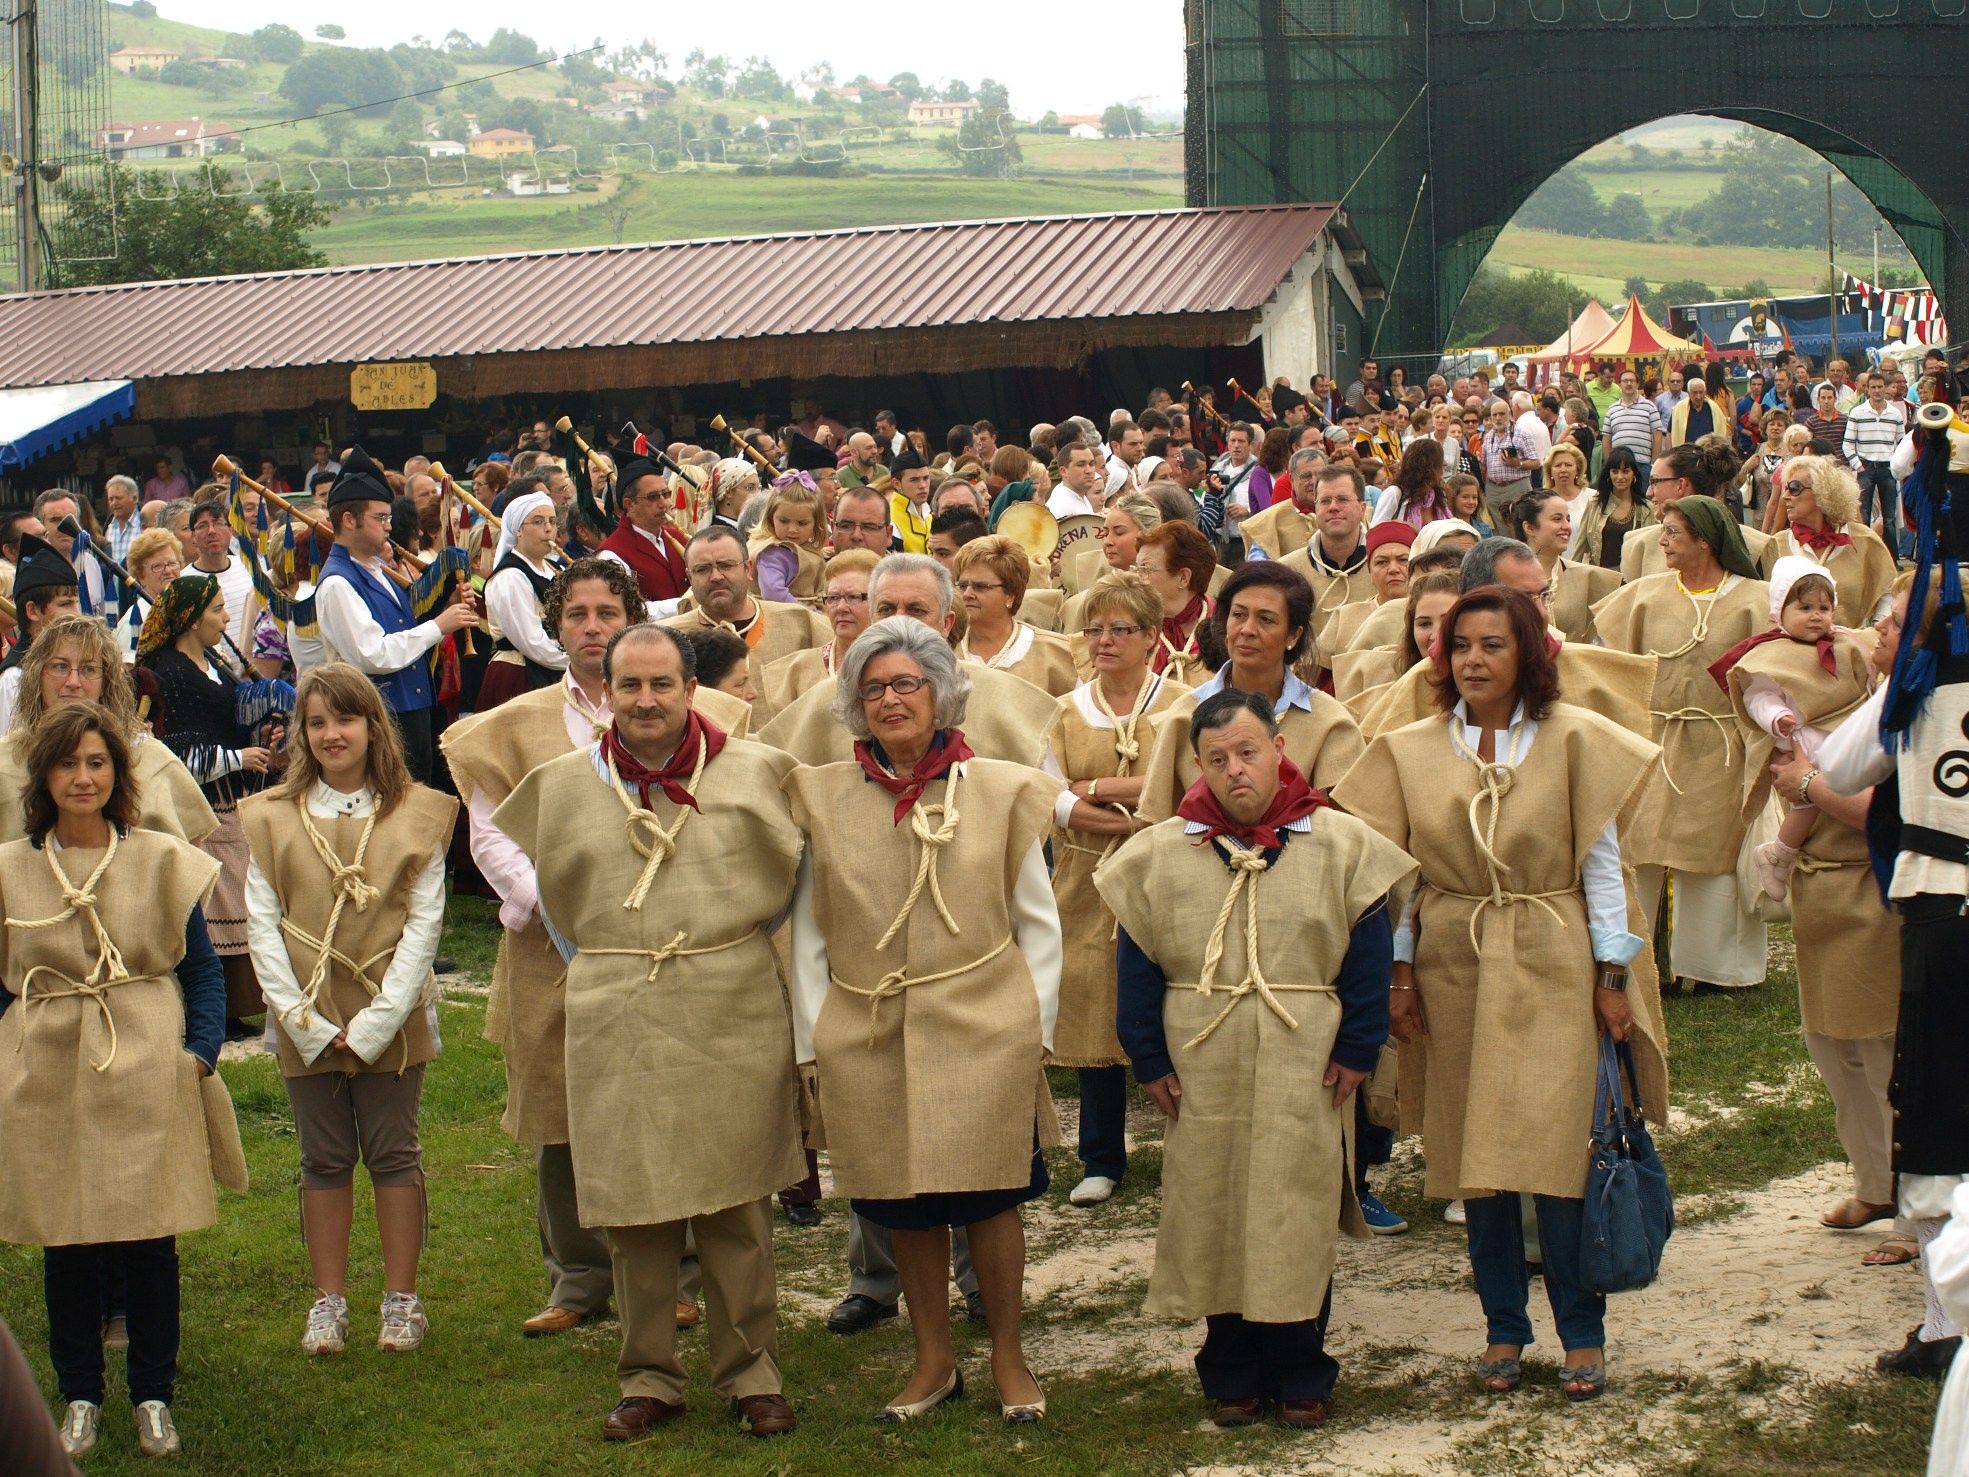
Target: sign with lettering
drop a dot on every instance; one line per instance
(411, 386)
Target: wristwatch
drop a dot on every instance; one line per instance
(1613, 979)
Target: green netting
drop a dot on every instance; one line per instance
(1434, 120)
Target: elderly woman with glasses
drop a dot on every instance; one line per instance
(1687, 617)
(926, 979)
(1098, 748)
(991, 575)
(1822, 522)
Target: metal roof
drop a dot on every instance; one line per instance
(1119, 265)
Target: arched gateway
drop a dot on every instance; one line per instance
(1434, 120)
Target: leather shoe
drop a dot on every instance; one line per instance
(1304, 1415)
(764, 1415)
(1925, 1361)
(857, 1313)
(689, 1315)
(638, 1415)
(1233, 1413)
(552, 1320)
(807, 1216)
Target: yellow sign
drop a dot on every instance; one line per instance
(393, 386)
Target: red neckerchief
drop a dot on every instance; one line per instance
(908, 788)
(1191, 616)
(1295, 798)
(671, 777)
(1818, 540)
(1720, 668)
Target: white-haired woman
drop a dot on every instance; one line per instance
(1821, 500)
(929, 1024)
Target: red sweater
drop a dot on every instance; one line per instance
(659, 575)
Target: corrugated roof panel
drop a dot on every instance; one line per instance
(1130, 264)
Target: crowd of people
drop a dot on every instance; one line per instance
(1454, 723)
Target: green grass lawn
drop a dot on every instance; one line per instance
(1659, 189)
(477, 1399)
(1601, 266)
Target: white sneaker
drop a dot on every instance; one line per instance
(79, 1427)
(328, 1325)
(404, 1323)
(1092, 1190)
(1453, 1213)
(156, 1435)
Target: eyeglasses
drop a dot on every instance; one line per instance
(61, 671)
(1120, 633)
(723, 566)
(844, 600)
(976, 587)
(1794, 488)
(871, 692)
(848, 525)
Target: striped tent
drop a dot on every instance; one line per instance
(1638, 336)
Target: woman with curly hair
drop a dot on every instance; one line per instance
(1822, 523)
(1416, 496)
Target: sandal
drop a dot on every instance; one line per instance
(1592, 1378)
(1892, 1251)
(1501, 1376)
(1852, 1213)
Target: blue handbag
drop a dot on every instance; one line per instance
(1629, 1213)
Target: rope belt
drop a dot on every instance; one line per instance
(1247, 867)
(359, 970)
(350, 882)
(898, 980)
(933, 836)
(1127, 750)
(109, 969)
(1692, 715)
(1495, 780)
(646, 834)
(1809, 864)
(673, 950)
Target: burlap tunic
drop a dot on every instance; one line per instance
(1699, 828)
(1382, 627)
(524, 1010)
(788, 628)
(1641, 556)
(809, 572)
(1047, 664)
(1822, 699)
(1330, 591)
(1256, 1178)
(791, 677)
(1084, 1035)
(1324, 743)
(1862, 571)
(938, 1086)
(353, 912)
(1576, 589)
(1007, 719)
(1279, 530)
(168, 798)
(1615, 684)
(110, 1132)
(682, 1098)
(1502, 1086)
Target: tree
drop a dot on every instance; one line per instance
(278, 43)
(406, 120)
(335, 128)
(993, 97)
(457, 43)
(757, 79)
(1051, 120)
(511, 48)
(143, 10)
(1681, 290)
(1565, 203)
(907, 84)
(1627, 218)
(1539, 302)
(1635, 287)
(957, 91)
(422, 68)
(198, 229)
(331, 33)
(337, 77)
(1118, 120)
(982, 148)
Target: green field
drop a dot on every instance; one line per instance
(1659, 189)
(1601, 266)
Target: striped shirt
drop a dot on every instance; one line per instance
(1871, 435)
(1634, 427)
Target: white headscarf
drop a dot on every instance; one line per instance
(517, 512)
(1787, 572)
(1435, 531)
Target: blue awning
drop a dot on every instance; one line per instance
(38, 419)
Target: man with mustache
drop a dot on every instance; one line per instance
(721, 595)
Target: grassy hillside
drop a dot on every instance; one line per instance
(1601, 266)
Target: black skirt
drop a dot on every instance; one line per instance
(1930, 1092)
(953, 1207)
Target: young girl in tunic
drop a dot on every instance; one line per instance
(1790, 694)
(787, 542)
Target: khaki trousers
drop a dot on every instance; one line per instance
(576, 1256)
(735, 1253)
(1856, 1074)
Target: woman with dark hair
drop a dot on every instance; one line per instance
(1361, 676)
(113, 1015)
(1179, 563)
(1263, 619)
(1511, 956)
(1708, 599)
(1694, 469)
(1545, 524)
(1416, 495)
(215, 725)
(1273, 453)
(1615, 510)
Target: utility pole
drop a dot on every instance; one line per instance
(27, 140)
(1876, 254)
(1831, 272)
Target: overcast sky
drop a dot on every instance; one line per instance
(1070, 58)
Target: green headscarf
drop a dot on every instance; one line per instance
(1712, 523)
(175, 611)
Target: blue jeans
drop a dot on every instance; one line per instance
(1878, 475)
(1104, 1121)
(1497, 1256)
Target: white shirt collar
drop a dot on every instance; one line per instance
(1013, 651)
(597, 713)
(1302, 825)
(324, 797)
(1296, 694)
